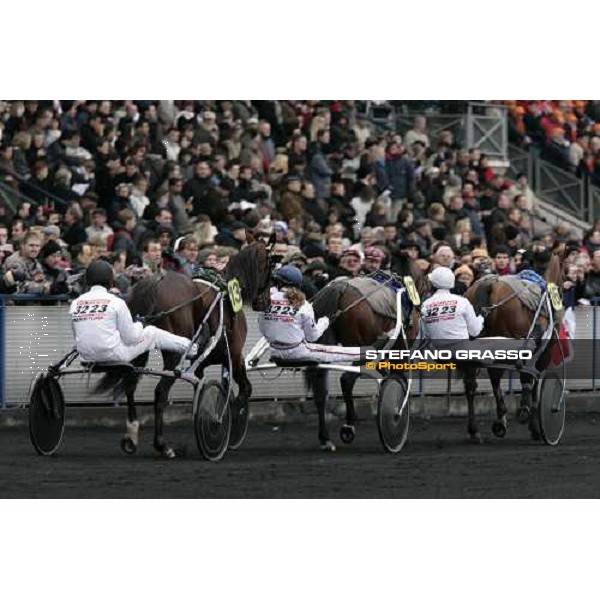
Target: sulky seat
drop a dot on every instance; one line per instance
(294, 363)
(107, 366)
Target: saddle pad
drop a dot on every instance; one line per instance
(383, 301)
(530, 293)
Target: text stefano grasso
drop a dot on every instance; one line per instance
(441, 355)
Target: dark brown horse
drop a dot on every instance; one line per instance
(356, 325)
(154, 295)
(508, 317)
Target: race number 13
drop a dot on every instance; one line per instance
(235, 294)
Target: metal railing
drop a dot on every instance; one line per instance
(554, 185)
(487, 129)
(32, 338)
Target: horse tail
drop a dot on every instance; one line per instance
(122, 378)
(108, 382)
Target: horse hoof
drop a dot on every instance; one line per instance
(166, 451)
(347, 434)
(499, 429)
(169, 452)
(523, 414)
(328, 446)
(127, 446)
(475, 438)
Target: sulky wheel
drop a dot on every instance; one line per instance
(240, 413)
(46, 415)
(499, 428)
(393, 414)
(347, 433)
(551, 408)
(212, 420)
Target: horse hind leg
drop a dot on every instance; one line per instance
(161, 397)
(529, 406)
(470, 376)
(499, 426)
(348, 431)
(318, 379)
(130, 441)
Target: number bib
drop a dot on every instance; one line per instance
(411, 290)
(235, 294)
(555, 296)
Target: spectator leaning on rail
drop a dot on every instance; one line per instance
(25, 262)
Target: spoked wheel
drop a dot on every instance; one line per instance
(212, 421)
(46, 415)
(393, 414)
(551, 405)
(240, 412)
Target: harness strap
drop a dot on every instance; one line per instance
(164, 313)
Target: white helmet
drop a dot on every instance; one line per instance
(442, 278)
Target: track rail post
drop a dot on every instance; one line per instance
(2, 353)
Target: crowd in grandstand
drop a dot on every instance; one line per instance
(155, 185)
(566, 132)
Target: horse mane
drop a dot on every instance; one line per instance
(245, 267)
(326, 304)
(143, 295)
(554, 270)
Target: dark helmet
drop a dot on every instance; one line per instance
(289, 275)
(100, 273)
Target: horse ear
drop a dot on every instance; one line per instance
(272, 240)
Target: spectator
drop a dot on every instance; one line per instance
(501, 260)
(81, 257)
(187, 252)
(374, 259)
(319, 169)
(592, 280)
(233, 235)
(50, 255)
(27, 267)
(350, 263)
(98, 225)
(418, 133)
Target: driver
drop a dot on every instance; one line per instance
(103, 327)
(289, 325)
(446, 316)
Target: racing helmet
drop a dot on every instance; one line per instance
(289, 275)
(442, 278)
(100, 273)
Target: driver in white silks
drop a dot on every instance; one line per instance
(289, 325)
(447, 317)
(104, 329)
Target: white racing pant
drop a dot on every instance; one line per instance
(153, 337)
(318, 353)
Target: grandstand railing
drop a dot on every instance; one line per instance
(487, 129)
(32, 337)
(554, 185)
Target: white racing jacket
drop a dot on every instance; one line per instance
(102, 324)
(285, 326)
(447, 316)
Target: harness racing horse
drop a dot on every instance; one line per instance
(178, 304)
(353, 323)
(507, 316)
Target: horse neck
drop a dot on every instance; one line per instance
(244, 266)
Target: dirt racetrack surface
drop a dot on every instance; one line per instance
(286, 462)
